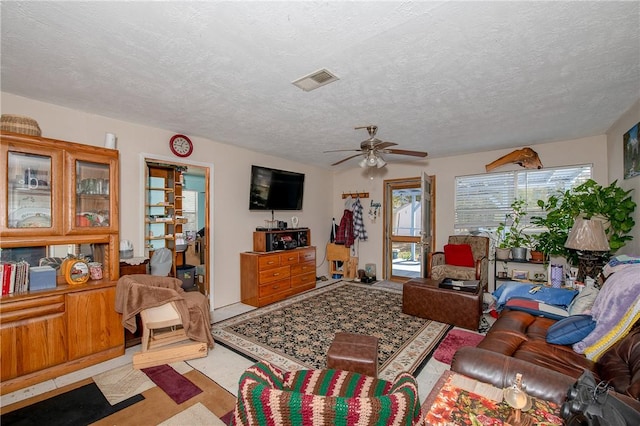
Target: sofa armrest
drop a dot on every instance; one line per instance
(500, 370)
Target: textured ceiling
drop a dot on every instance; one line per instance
(445, 77)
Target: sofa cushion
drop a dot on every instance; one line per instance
(584, 301)
(570, 330)
(458, 255)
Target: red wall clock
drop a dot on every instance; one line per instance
(181, 145)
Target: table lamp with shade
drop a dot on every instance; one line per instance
(588, 238)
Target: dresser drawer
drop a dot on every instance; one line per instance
(289, 258)
(303, 280)
(307, 255)
(274, 287)
(275, 274)
(303, 268)
(268, 262)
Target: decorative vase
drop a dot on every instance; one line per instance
(519, 253)
(502, 253)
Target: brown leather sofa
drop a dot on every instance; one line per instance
(516, 343)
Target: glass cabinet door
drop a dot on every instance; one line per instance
(31, 193)
(92, 195)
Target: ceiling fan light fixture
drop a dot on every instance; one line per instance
(372, 160)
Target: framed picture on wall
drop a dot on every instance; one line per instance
(631, 152)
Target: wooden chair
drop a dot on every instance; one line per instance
(164, 308)
(162, 326)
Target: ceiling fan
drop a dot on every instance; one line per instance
(372, 149)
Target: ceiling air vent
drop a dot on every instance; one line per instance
(315, 80)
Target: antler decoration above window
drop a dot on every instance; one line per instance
(525, 157)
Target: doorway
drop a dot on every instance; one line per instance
(192, 216)
(409, 216)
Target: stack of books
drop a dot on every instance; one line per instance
(14, 277)
(470, 286)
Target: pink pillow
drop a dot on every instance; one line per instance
(458, 255)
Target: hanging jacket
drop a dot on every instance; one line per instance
(359, 233)
(345, 229)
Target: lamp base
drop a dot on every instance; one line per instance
(589, 264)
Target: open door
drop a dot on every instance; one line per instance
(408, 215)
(426, 234)
(177, 217)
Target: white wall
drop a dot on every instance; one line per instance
(233, 223)
(616, 170)
(591, 150)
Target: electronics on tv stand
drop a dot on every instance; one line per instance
(263, 229)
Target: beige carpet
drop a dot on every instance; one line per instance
(195, 415)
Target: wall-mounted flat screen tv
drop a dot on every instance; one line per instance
(273, 189)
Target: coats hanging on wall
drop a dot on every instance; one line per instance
(359, 233)
(345, 229)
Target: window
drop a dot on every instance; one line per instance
(482, 201)
(190, 211)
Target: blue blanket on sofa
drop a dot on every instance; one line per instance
(553, 296)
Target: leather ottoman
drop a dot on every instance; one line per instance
(421, 297)
(354, 352)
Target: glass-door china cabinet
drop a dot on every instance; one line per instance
(57, 197)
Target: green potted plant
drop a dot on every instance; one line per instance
(610, 203)
(513, 227)
(497, 237)
(538, 249)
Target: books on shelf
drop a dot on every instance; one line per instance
(14, 277)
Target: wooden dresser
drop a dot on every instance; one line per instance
(272, 276)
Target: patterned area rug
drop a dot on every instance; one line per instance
(296, 333)
(455, 340)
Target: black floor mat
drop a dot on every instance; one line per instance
(81, 406)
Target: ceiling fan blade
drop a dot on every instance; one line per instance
(405, 152)
(383, 145)
(345, 159)
(343, 150)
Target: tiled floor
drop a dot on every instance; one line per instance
(221, 365)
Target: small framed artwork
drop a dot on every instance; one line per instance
(519, 275)
(631, 152)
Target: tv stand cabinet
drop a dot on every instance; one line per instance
(267, 277)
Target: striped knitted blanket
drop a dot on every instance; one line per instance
(267, 396)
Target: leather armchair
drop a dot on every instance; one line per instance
(437, 269)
